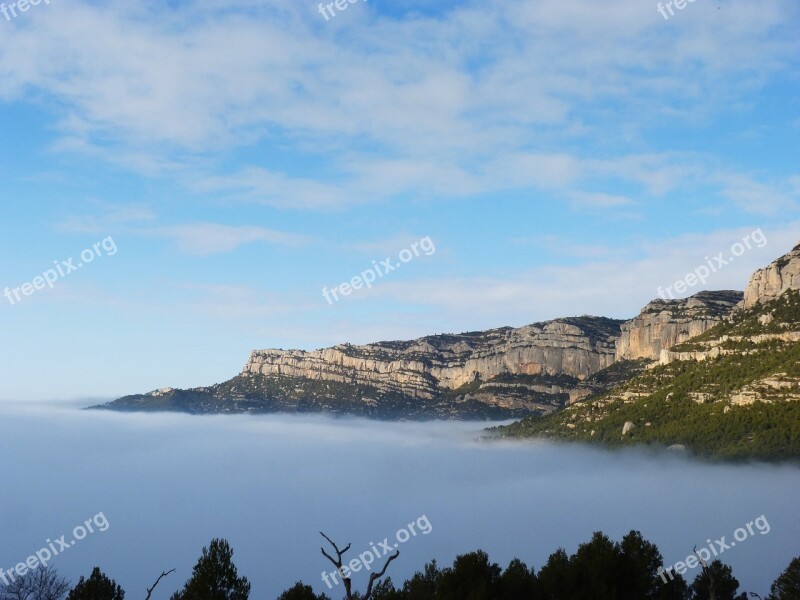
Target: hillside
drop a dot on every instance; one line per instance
(729, 393)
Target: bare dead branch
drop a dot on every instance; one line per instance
(335, 547)
(160, 577)
(375, 576)
(700, 558)
(330, 558)
(338, 564)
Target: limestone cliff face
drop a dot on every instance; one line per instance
(769, 283)
(576, 347)
(665, 323)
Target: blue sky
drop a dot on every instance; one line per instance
(564, 156)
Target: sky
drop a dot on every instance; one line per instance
(219, 164)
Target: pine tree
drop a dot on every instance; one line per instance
(787, 586)
(214, 577)
(97, 587)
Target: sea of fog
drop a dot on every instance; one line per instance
(167, 484)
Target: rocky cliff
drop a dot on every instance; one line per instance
(498, 373)
(421, 368)
(770, 282)
(665, 323)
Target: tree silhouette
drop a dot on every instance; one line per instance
(337, 562)
(301, 592)
(97, 587)
(716, 582)
(472, 577)
(214, 577)
(160, 577)
(787, 585)
(42, 584)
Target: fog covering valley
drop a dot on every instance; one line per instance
(168, 483)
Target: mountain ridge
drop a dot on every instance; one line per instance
(501, 373)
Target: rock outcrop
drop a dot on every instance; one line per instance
(665, 323)
(715, 347)
(422, 368)
(770, 282)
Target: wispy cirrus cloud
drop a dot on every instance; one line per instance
(195, 239)
(473, 98)
(204, 239)
(590, 285)
(106, 217)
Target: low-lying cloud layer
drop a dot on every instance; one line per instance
(169, 483)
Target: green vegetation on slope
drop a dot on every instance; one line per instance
(783, 315)
(690, 403)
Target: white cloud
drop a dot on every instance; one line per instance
(599, 200)
(759, 198)
(276, 189)
(459, 103)
(593, 285)
(107, 217)
(203, 239)
(196, 239)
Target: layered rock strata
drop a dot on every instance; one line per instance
(665, 323)
(576, 347)
(772, 281)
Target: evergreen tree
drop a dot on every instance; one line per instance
(787, 585)
(517, 582)
(596, 565)
(472, 577)
(423, 586)
(301, 592)
(385, 590)
(214, 577)
(725, 584)
(555, 577)
(97, 587)
(638, 577)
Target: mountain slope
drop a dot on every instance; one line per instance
(729, 393)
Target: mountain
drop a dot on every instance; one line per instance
(679, 373)
(729, 392)
(497, 374)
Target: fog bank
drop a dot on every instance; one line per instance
(167, 484)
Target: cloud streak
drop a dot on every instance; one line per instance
(394, 103)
